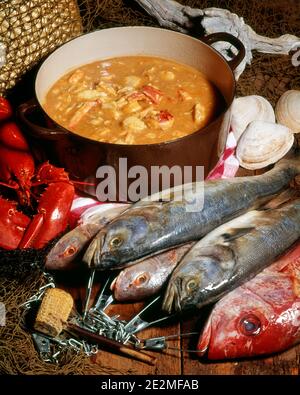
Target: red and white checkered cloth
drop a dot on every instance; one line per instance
(227, 167)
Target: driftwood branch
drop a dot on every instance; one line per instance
(175, 16)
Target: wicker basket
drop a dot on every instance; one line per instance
(29, 30)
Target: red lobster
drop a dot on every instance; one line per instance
(16, 162)
(12, 224)
(17, 171)
(53, 209)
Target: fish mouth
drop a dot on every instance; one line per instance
(113, 285)
(88, 257)
(204, 339)
(105, 261)
(50, 260)
(172, 299)
(95, 258)
(116, 290)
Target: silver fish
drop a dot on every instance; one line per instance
(69, 246)
(146, 278)
(149, 227)
(230, 255)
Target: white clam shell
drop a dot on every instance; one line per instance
(262, 144)
(247, 109)
(288, 110)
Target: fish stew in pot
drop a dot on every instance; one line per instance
(133, 100)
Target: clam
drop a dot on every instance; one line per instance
(262, 144)
(247, 109)
(288, 110)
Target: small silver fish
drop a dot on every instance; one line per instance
(149, 227)
(146, 278)
(230, 255)
(62, 256)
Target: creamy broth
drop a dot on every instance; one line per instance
(133, 100)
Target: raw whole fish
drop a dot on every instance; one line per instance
(149, 227)
(146, 278)
(260, 317)
(69, 246)
(232, 254)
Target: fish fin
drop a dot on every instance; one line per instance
(222, 254)
(283, 197)
(296, 281)
(234, 234)
(177, 192)
(287, 260)
(260, 203)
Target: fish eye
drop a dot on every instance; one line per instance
(191, 285)
(116, 242)
(250, 325)
(70, 251)
(141, 279)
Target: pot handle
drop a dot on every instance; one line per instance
(226, 37)
(35, 130)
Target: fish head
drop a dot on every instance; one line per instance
(241, 325)
(192, 282)
(131, 284)
(63, 253)
(120, 242)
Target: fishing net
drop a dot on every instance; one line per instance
(268, 75)
(17, 351)
(29, 30)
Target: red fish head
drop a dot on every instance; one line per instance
(243, 325)
(132, 284)
(259, 317)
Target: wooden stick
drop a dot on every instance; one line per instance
(112, 345)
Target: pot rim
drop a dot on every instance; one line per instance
(204, 130)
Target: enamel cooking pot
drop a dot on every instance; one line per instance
(81, 157)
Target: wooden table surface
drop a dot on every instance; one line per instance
(176, 362)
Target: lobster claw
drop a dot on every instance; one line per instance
(47, 173)
(12, 224)
(52, 215)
